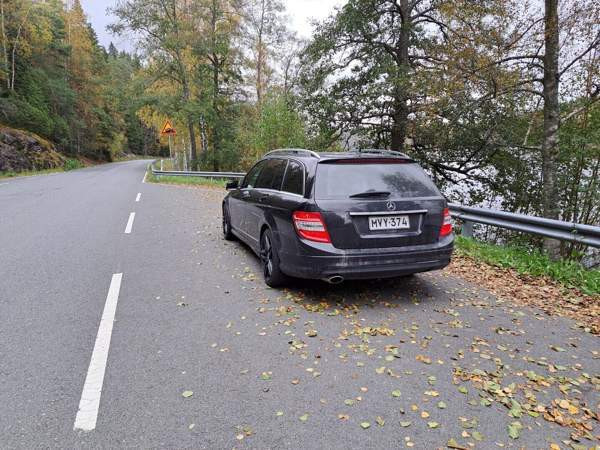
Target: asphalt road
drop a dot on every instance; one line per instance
(296, 368)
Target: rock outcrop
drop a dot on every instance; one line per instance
(21, 150)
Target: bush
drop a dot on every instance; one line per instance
(20, 114)
(72, 164)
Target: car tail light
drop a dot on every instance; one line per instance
(446, 224)
(310, 225)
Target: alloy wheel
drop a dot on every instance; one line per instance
(267, 256)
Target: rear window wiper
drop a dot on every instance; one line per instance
(371, 193)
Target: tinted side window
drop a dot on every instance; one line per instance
(252, 176)
(294, 179)
(272, 175)
(279, 172)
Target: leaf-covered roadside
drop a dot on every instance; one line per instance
(527, 290)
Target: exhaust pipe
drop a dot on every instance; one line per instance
(334, 279)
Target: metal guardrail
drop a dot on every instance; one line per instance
(181, 173)
(556, 229)
(177, 173)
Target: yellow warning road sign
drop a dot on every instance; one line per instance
(168, 128)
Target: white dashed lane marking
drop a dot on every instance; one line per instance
(89, 404)
(130, 223)
(137, 199)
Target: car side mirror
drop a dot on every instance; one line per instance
(232, 185)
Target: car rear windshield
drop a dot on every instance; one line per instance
(342, 179)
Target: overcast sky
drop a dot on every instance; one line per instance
(300, 11)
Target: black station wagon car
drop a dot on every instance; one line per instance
(337, 216)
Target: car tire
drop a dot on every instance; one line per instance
(227, 233)
(269, 258)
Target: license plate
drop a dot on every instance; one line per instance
(388, 223)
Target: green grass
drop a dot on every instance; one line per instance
(189, 181)
(167, 164)
(532, 262)
(29, 173)
(70, 164)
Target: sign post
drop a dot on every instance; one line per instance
(170, 131)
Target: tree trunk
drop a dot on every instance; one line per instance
(194, 154)
(550, 197)
(400, 119)
(190, 121)
(15, 45)
(216, 131)
(400, 115)
(203, 138)
(260, 56)
(4, 44)
(286, 77)
(215, 93)
(259, 76)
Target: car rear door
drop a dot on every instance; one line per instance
(261, 196)
(283, 204)
(378, 203)
(238, 202)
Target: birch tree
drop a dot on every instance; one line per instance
(15, 20)
(265, 30)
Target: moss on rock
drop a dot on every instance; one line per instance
(22, 150)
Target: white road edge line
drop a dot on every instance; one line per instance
(130, 223)
(3, 184)
(145, 175)
(92, 388)
(137, 199)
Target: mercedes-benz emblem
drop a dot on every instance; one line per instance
(391, 206)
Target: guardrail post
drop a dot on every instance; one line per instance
(161, 165)
(467, 229)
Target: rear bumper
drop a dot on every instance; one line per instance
(323, 260)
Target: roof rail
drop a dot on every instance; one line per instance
(294, 151)
(384, 152)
